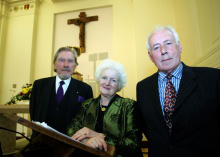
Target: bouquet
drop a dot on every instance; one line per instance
(24, 94)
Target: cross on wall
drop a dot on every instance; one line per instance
(81, 22)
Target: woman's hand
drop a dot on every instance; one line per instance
(86, 133)
(97, 142)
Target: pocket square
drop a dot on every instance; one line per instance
(81, 99)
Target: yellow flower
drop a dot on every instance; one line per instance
(30, 88)
(24, 94)
(25, 90)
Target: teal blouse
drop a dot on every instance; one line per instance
(119, 124)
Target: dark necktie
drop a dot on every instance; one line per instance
(60, 92)
(169, 102)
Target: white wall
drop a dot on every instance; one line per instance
(31, 39)
(208, 14)
(98, 39)
(17, 52)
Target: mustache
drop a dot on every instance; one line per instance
(66, 69)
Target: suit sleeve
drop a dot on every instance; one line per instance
(33, 101)
(219, 88)
(139, 105)
(77, 121)
(89, 93)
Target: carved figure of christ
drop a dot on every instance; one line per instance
(81, 21)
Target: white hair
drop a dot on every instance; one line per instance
(159, 28)
(119, 69)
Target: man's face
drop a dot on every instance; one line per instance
(164, 51)
(65, 65)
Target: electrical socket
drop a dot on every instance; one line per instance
(14, 86)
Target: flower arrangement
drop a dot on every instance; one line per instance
(24, 94)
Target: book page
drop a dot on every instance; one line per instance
(43, 124)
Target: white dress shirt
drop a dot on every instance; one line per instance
(65, 86)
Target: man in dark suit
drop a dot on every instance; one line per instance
(56, 103)
(180, 105)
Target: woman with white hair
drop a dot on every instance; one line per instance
(109, 118)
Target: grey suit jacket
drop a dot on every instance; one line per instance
(196, 118)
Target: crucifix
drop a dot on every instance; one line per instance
(81, 22)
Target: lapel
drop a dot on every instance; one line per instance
(154, 94)
(73, 92)
(187, 84)
(72, 100)
(93, 113)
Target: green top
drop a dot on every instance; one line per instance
(119, 124)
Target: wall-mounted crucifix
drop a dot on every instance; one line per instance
(81, 22)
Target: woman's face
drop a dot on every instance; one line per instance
(108, 83)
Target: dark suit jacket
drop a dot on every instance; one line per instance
(196, 118)
(42, 93)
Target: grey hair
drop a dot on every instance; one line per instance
(119, 69)
(65, 49)
(159, 28)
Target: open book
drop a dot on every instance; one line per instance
(43, 124)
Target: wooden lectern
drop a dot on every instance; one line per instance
(61, 145)
(8, 139)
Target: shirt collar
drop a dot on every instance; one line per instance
(177, 73)
(67, 81)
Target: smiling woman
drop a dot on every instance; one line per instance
(109, 118)
(108, 85)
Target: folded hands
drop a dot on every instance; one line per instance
(91, 138)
